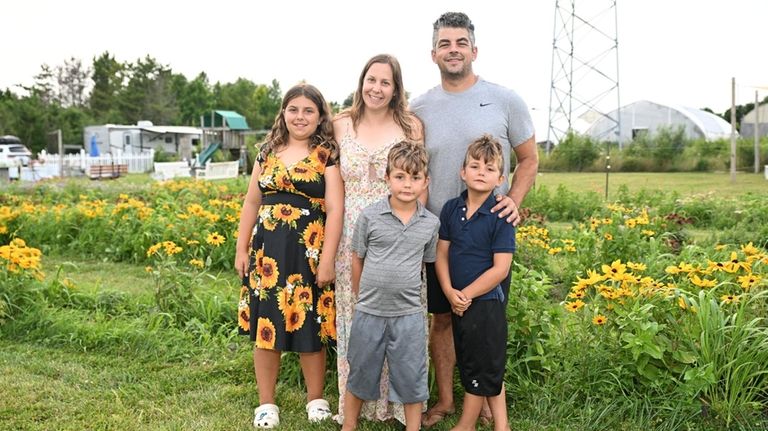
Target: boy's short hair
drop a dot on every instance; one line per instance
(409, 156)
(487, 149)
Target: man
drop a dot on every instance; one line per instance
(455, 113)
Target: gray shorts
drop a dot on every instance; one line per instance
(402, 342)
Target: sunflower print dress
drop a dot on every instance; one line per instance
(281, 307)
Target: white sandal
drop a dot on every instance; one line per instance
(318, 410)
(266, 416)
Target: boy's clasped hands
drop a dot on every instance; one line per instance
(459, 302)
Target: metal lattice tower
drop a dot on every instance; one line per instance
(585, 68)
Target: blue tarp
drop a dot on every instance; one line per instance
(94, 150)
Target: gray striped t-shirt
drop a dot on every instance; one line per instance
(390, 284)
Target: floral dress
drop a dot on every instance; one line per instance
(281, 307)
(363, 174)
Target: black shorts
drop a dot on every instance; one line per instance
(437, 303)
(480, 340)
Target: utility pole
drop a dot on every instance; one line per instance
(757, 134)
(733, 130)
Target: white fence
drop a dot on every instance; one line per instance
(77, 164)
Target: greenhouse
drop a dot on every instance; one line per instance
(645, 117)
(748, 122)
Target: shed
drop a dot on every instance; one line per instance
(227, 128)
(747, 128)
(648, 117)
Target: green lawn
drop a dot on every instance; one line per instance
(683, 183)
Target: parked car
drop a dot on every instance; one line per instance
(13, 152)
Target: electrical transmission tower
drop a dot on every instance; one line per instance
(585, 68)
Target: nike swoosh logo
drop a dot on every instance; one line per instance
(485, 104)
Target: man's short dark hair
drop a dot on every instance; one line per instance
(453, 20)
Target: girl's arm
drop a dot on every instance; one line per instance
(491, 277)
(334, 217)
(248, 217)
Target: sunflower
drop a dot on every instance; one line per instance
(294, 279)
(265, 334)
(320, 156)
(599, 320)
(303, 171)
(294, 318)
(244, 316)
(313, 235)
(328, 330)
(269, 272)
(313, 265)
(284, 300)
(283, 181)
(286, 213)
(269, 223)
(302, 295)
(326, 304)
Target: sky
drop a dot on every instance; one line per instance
(670, 51)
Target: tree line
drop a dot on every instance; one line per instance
(73, 95)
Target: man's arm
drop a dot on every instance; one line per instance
(522, 181)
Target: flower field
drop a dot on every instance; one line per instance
(646, 312)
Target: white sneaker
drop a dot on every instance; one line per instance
(318, 410)
(266, 416)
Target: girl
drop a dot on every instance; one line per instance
(295, 200)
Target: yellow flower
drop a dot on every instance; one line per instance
(244, 317)
(326, 304)
(608, 237)
(578, 294)
(615, 271)
(304, 171)
(269, 272)
(749, 249)
(265, 334)
(148, 269)
(555, 250)
(313, 235)
(302, 295)
(636, 266)
(729, 299)
(702, 282)
(599, 320)
(574, 306)
(749, 280)
(197, 262)
(215, 239)
(294, 318)
(719, 247)
(283, 299)
(286, 213)
(648, 232)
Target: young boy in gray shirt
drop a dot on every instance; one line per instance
(390, 241)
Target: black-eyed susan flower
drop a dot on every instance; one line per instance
(215, 239)
(574, 306)
(729, 299)
(599, 320)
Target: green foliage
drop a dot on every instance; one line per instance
(575, 153)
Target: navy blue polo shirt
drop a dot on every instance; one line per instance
(474, 241)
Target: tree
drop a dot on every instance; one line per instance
(195, 97)
(72, 83)
(108, 76)
(148, 94)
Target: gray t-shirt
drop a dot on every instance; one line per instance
(453, 120)
(390, 284)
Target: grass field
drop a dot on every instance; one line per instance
(685, 184)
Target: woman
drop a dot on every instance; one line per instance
(377, 119)
(295, 198)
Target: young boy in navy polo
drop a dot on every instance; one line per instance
(391, 239)
(474, 254)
